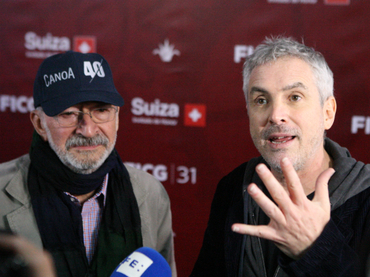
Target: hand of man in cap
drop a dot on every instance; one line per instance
(295, 221)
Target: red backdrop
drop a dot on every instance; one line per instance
(178, 66)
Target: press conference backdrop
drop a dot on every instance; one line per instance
(178, 66)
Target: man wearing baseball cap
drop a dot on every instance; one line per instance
(72, 194)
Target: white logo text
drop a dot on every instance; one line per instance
(48, 42)
(242, 51)
(94, 69)
(60, 76)
(174, 174)
(156, 108)
(360, 122)
(22, 104)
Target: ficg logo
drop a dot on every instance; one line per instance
(158, 171)
(180, 174)
(21, 104)
(242, 51)
(360, 122)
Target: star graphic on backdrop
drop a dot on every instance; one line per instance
(166, 51)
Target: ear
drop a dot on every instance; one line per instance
(35, 117)
(330, 108)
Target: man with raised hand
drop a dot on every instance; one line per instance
(302, 207)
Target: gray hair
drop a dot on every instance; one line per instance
(274, 48)
(41, 113)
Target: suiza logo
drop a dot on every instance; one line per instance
(195, 115)
(166, 51)
(84, 44)
(94, 69)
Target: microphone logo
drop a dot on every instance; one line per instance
(135, 265)
(143, 262)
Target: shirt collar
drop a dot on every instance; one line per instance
(102, 191)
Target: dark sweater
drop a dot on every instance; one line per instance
(339, 250)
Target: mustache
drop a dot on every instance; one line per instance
(266, 133)
(78, 140)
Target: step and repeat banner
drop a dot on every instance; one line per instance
(178, 66)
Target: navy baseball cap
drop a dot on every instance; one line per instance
(64, 80)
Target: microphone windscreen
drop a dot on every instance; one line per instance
(143, 262)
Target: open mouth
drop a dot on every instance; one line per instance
(281, 140)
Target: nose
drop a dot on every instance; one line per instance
(87, 127)
(278, 113)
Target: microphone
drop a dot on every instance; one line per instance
(143, 262)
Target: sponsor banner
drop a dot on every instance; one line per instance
(168, 58)
(161, 113)
(41, 47)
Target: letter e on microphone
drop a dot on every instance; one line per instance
(135, 265)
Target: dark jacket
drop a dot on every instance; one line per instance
(339, 250)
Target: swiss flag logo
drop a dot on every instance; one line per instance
(337, 2)
(195, 115)
(84, 44)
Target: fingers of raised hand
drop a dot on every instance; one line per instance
(262, 231)
(295, 188)
(276, 190)
(322, 192)
(295, 222)
(265, 203)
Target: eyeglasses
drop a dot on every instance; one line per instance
(98, 115)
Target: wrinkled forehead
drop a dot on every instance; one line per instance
(282, 69)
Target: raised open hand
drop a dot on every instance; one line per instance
(295, 221)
